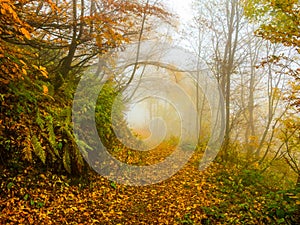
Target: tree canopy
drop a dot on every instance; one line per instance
(279, 20)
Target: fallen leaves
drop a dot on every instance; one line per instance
(45, 198)
(189, 197)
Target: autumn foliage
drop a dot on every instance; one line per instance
(45, 46)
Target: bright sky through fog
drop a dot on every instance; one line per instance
(138, 116)
(181, 7)
(184, 13)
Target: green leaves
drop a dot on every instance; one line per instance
(109, 102)
(113, 185)
(10, 185)
(26, 196)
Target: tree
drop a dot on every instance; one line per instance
(279, 22)
(75, 32)
(225, 47)
(45, 48)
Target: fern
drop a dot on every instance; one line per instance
(79, 159)
(67, 159)
(38, 149)
(27, 150)
(77, 156)
(51, 135)
(40, 122)
(84, 146)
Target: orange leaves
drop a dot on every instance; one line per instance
(14, 28)
(14, 67)
(45, 89)
(7, 7)
(25, 32)
(10, 19)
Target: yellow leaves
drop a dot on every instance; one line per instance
(24, 71)
(295, 86)
(154, 192)
(277, 93)
(36, 67)
(45, 89)
(43, 176)
(256, 165)
(42, 70)
(253, 140)
(164, 203)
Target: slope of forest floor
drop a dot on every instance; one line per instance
(212, 196)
